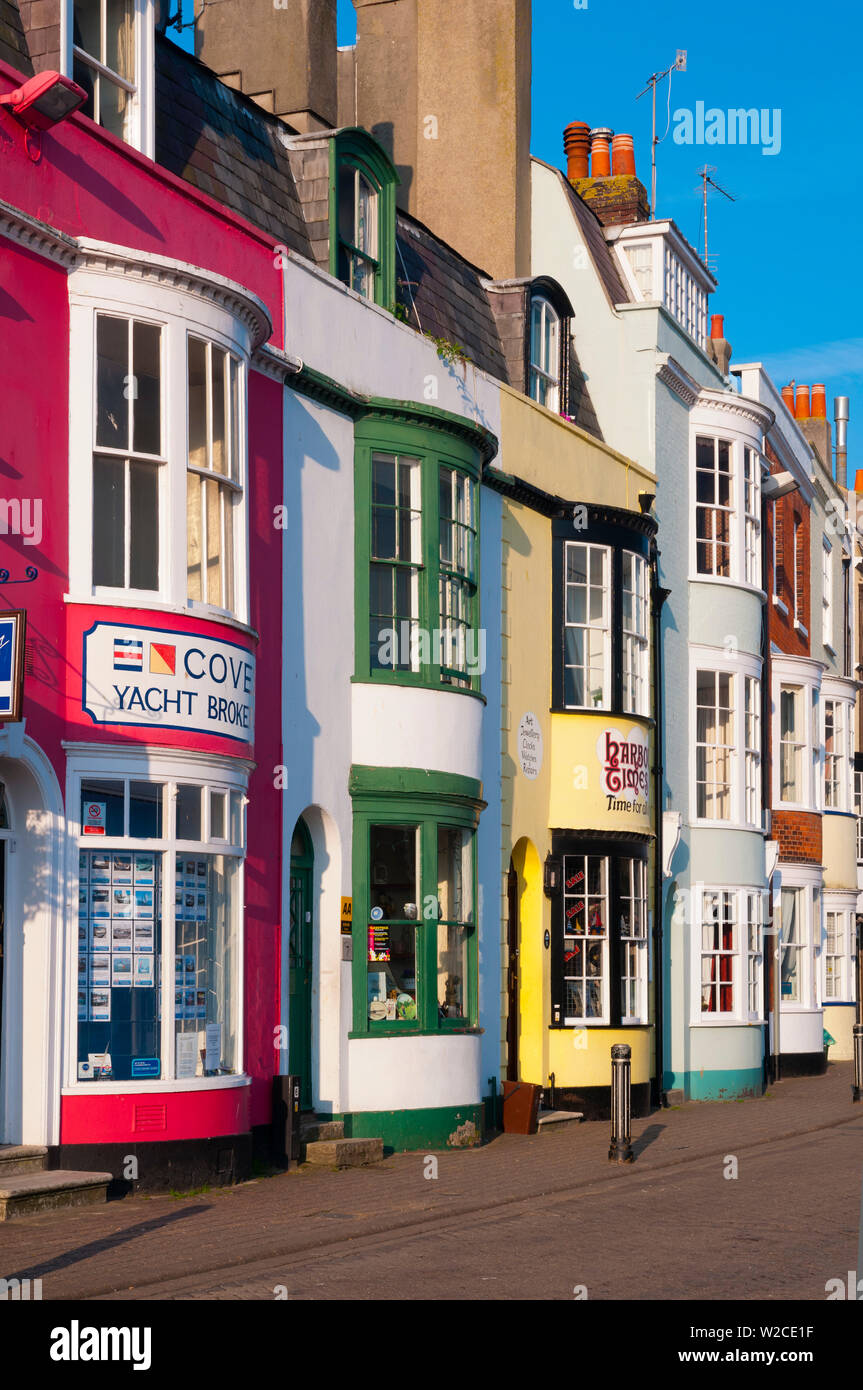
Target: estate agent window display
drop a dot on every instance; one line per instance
(159, 875)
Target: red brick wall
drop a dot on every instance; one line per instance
(799, 836)
(789, 511)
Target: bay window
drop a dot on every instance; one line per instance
(601, 618)
(415, 921)
(599, 916)
(794, 946)
(858, 810)
(417, 557)
(158, 440)
(727, 472)
(159, 928)
(835, 755)
(729, 927)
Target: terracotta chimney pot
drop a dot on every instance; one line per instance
(819, 402)
(622, 155)
(600, 152)
(788, 398)
(717, 325)
(576, 144)
(801, 406)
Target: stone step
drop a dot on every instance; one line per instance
(28, 1193)
(550, 1119)
(21, 1158)
(317, 1130)
(345, 1153)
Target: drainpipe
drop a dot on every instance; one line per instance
(659, 597)
(771, 972)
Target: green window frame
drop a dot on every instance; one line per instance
(363, 216)
(442, 811)
(417, 557)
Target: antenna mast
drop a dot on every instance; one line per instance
(655, 78)
(704, 175)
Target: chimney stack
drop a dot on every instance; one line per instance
(284, 59)
(718, 346)
(612, 188)
(840, 416)
(810, 412)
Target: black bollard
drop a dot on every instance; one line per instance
(857, 1092)
(620, 1150)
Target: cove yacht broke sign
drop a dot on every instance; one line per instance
(152, 678)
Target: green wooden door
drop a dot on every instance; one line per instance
(300, 964)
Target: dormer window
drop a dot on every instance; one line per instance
(108, 50)
(544, 354)
(362, 217)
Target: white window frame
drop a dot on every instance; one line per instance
(827, 595)
(809, 883)
(179, 314)
(752, 516)
(752, 750)
(635, 650)
(747, 912)
(858, 810)
(740, 666)
(716, 508)
(583, 1020)
(842, 908)
(805, 675)
(604, 626)
(638, 881)
(141, 131)
(154, 764)
(540, 369)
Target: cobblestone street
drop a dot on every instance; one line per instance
(534, 1218)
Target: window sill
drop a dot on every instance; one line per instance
(828, 646)
(593, 1023)
(777, 603)
(726, 1021)
(702, 823)
(155, 1087)
(407, 1031)
(728, 581)
(798, 627)
(418, 682)
(146, 605)
(603, 712)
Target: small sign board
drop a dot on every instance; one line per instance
(94, 817)
(12, 625)
(347, 915)
(145, 1067)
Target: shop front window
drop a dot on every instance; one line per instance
(599, 965)
(414, 907)
(151, 893)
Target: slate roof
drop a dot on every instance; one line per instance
(226, 145)
(13, 45)
(444, 295)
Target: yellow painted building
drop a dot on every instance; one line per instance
(578, 760)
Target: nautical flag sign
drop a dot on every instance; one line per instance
(11, 663)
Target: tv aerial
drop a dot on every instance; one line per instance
(706, 181)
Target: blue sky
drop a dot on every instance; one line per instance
(790, 296)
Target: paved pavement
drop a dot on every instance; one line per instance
(540, 1217)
